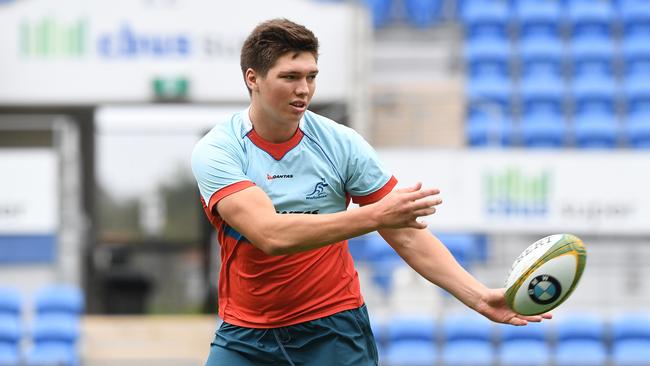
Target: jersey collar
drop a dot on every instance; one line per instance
(276, 150)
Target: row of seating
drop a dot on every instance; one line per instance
(542, 87)
(468, 339)
(426, 13)
(51, 338)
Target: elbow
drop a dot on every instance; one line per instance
(272, 246)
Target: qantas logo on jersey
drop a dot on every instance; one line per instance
(319, 190)
(279, 176)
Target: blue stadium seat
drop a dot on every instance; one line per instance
(635, 18)
(462, 246)
(486, 18)
(411, 327)
(468, 353)
(637, 130)
(491, 89)
(631, 352)
(545, 132)
(531, 332)
(9, 355)
(487, 55)
(59, 298)
(524, 353)
(538, 18)
(580, 327)
(583, 352)
(380, 10)
(55, 337)
(466, 326)
(596, 131)
(423, 13)
(588, 18)
(592, 54)
(541, 55)
(631, 326)
(10, 301)
(411, 353)
(485, 130)
(637, 95)
(383, 260)
(52, 354)
(636, 55)
(357, 248)
(10, 330)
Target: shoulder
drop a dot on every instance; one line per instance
(325, 130)
(225, 136)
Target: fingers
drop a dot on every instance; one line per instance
(414, 188)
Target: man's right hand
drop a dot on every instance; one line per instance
(402, 207)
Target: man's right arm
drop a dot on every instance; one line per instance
(251, 212)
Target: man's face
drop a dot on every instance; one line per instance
(285, 92)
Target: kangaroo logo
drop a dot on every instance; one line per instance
(319, 191)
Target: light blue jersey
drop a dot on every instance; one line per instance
(317, 171)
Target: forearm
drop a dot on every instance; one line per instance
(293, 233)
(433, 261)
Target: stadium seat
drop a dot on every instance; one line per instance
(592, 55)
(55, 328)
(357, 248)
(580, 327)
(631, 352)
(637, 130)
(544, 131)
(466, 326)
(637, 95)
(487, 55)
(486, 18)
(543, 122)
(380, 11)
(9, 355)
(533, 331)
(583, 352)
(383, 261)
(538, 18)
(462, 247)
(10, 301)
(423, 13)
(631, 326)
(10, 329)
(636, 56)
(60, 298)
(524, 353)
(635, 18)
(489, 131)
(541, 55)
(588, 18)
(411, 327)
(468, 353)
(596, 131)
(410, 353)
(52, 354)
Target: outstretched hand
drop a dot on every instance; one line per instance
(403, 207)
(494, 307)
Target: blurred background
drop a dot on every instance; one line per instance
(531, 116)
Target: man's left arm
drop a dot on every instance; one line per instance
(433, 261)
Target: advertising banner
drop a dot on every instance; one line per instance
(509, 191)
(92, 51)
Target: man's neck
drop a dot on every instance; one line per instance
(269, 129)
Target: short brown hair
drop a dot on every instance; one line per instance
(272, 39)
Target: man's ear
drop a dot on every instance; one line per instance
(251, 79)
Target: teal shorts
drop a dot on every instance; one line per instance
(341, 339)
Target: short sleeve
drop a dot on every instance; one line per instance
(368, 180)
(218, 164)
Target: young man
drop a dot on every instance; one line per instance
(275, 181)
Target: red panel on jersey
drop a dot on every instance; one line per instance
(377, 195)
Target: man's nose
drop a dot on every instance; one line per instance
(302, 88)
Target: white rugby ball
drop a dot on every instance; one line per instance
(545, 274)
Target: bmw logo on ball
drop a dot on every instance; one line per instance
(544, 289)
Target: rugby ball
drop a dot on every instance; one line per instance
(545, 274)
